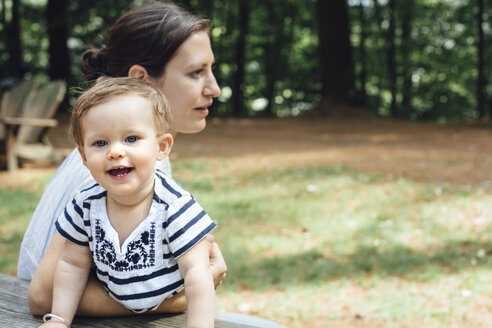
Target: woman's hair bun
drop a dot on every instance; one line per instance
(93, 63)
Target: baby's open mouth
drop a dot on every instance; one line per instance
(121, 171)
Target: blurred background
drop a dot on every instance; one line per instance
(415, 59)
(346, 162)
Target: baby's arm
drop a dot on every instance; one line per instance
(199, 286)
(72, 272)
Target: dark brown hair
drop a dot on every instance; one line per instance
(148, 35)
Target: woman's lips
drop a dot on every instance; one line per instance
(202, 110)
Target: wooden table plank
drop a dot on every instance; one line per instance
(15, 313)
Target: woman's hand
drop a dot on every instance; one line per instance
(217, 262)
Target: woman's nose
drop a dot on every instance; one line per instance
(211, 88)
(116, 151)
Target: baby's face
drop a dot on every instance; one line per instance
(121, 145)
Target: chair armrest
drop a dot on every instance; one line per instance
(47, 122)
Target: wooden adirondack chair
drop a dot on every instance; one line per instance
(26, 126)
(13, 101)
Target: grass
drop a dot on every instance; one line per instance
(18, 200)
(325, 246)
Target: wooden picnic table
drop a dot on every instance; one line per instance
(15, 313)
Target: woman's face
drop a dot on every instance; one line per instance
(189, 83)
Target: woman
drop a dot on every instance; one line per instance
(169, 47)
(159, 43)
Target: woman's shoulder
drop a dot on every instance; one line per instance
(164, 166)
(72, 172)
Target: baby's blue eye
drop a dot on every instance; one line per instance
(100, 143)
(131, 139)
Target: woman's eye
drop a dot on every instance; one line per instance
(196, 73)
(100, 143)
(131, 139)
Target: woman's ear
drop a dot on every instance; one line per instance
(138, 72)
(165, 143)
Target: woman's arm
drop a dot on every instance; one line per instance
(70, 177)
(95, 300)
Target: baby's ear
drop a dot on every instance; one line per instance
(81, 150)
(165, 143)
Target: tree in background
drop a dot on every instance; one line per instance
(417, 59)
(237, 100)
(11, 33)
(59, 58)
(481, 82)
(362, 51)
(277, 45)
(406, 49)
(391, 56)
(336, 66)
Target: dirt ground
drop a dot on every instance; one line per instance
(458, 153)
(453, 152)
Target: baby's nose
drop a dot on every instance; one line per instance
(116, 151)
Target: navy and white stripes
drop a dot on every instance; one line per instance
(143, 271)
(70, 177)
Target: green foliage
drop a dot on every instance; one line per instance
(442, 58)
(282, 70)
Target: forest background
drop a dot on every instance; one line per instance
(379, 216)
(414, 59)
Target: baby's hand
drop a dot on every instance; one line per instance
(51, 320)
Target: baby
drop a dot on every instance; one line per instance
(143, 232)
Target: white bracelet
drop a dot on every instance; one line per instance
(48, 316)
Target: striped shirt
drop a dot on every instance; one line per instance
(70, 177)
(143, 271)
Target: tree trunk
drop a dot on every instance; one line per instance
(481, 63)
(337, 70)
(13, 67)
(275, 56)
(59, 67)
(406, 46)
(2, 14)
(380, 50)
(390, 42)
(237, 99)
(362, 54)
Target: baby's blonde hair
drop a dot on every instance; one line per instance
(108, 88)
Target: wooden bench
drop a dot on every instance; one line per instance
(15, 313)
